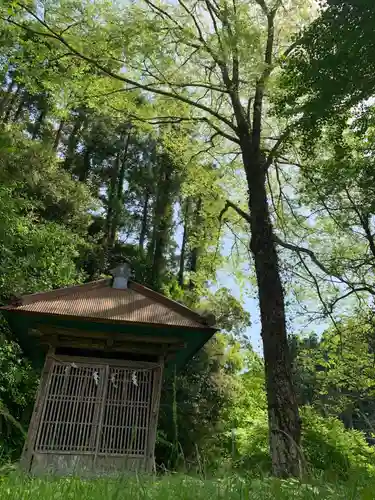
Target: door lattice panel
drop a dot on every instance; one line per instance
(96, 409)
(127, 411)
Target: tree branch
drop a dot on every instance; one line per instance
(263, 6)
(272, 154)
(307, 251)
(164, 14)
(103, 69)
(235, 56)
(313, 277)
(214, 12)
(346, 295)
(355, 288)
(260, 86)
(221, 132)
(320, 265)
(248, 111)
(364, 220)
(236, 208)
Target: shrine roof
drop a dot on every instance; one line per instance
(99, 301)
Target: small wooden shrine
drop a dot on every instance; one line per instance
(104, 346)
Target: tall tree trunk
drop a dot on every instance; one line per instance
(39, 123)
(184, 242)
(85, 170)
(73, 141)
(121, 175)
(195, 251)
(117, 198)
(162, 237)
(283, 416)
(347, 418)
(20, 107)
(143, 232)
(56, 142)
(10, 103)
(162, 221)
(7, 95)
(109, 233)
(151, 243)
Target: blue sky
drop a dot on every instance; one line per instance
(247, 293)
(250, 303)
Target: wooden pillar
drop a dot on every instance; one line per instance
(29, 446)
(155, 404)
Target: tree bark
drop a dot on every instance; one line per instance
(151, 243)
(181, 270)
(10, 103)
(85, 170)
(121, 175)
(7, 95)
(283, 415)
(161, 242)
(39, 123)
(20, 107)
(117, 195)
(195, 251)
(143, 232)
(111, 202)
(73, 140)
(163, 221)
(56, 142)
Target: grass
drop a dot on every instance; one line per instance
(179, 487)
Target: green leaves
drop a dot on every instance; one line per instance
(331, 68)
(336, 375)
(18, 383)
(31, 169)
(34, 257)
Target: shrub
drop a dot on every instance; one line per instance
(326, 446)
(252, 446)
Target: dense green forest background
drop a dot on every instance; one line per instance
(154, 167)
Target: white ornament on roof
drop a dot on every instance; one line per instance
(121, 275)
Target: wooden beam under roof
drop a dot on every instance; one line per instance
(105, 344)
(42, 329)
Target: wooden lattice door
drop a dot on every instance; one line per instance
(127, 405)
(69, 420)
(96, 414)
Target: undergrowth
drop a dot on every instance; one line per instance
(180, 487)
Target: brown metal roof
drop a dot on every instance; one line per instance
(99, 301)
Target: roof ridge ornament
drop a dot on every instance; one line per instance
(121, 275)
